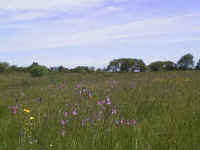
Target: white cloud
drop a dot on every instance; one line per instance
(53, 4)
(112, 9)
(69, 33)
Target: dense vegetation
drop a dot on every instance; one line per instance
(186, 62)
(100, 111)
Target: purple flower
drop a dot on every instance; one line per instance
(9, 107)
(114, 111)
(14, 111)
(14, 107)
(133, 122)
(108, 102)
(74, 112)
(89, 94)
(65, 114)
(62, 122)
(78, 86)
(102, 102)
(98, 102)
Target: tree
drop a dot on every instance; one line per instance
(126, 65)
(37, 71)
(4, 66)
(156, 66)
(81, 69)
(169, 66)
(186, 62)
(162, 66)
(198, 65)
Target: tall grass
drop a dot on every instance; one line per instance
(147, 111)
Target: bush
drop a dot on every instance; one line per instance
(38, 71)
(4, 66)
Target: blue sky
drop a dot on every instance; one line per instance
(93, 32)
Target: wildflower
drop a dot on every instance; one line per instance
(14, 112)
(89, 95)
(65, 114)
(27, 110)
(32, 118)
(98, 103)
(114, 111)
(103, 102)
(62, 122)
(9, 107)
(78, 86)
(108, 102)
(133, 122)
(121, 121)
(74, 112)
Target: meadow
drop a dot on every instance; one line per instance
(100, 111)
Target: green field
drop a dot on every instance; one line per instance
(146, 111)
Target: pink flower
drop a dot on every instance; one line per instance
(14, 107)
(102, 102)
(89, 94)
(74, 112)
(65, 114)
(62, 122)
(114, 111)
(78, 86)
(108, 102)
(121, 121)
(14, 111)
(98, 103)
(133, 122)
(9, 107)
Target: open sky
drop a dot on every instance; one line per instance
(93, 32)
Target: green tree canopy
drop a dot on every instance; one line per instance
(162, 66)
(126, 65)
(198, 65)
(186, 62)
(4, 66)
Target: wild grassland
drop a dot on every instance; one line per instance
(138, 111)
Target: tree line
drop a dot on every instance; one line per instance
(186, 62)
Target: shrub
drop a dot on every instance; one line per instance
(38, 71)
(4, 66)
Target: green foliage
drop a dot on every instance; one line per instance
(186, 62)
(83, 69)
(198, 65)
(4, 66)
(37, 71)
(126, 65)
(162, 66)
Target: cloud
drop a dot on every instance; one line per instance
(70, 33)
(53, 4)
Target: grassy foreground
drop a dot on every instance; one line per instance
(138, 111)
